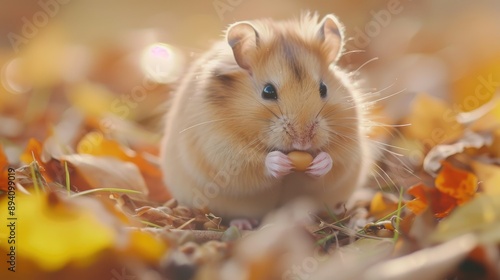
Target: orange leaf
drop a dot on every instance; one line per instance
(4, 165)
(419, 203)
(33, 151)
(457, 183)
(95, 144)
(440, 204)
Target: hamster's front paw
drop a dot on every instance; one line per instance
(278, 164)
(244, 224)
(321, 164)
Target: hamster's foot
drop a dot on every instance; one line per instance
(278, 164)
(244, 224)
(321, 164)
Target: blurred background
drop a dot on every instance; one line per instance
(120, 59)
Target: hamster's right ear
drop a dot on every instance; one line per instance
(243, 39)
(331, 34)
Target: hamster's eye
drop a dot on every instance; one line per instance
(269, 92)
(322, 90)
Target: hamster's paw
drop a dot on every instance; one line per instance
(244, 224)
(278, 164)
(321, 164)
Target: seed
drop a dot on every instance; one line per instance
(301, 160)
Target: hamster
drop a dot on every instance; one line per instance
(271, 87)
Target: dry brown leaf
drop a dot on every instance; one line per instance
(433, 159)
(62, 137)
(107, 172)
(430, 263)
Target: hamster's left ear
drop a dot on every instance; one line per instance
(331, 34)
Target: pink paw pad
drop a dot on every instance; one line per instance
(321, 165)
(244, 224)
(278, 164)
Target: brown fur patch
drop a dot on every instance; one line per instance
(222, 88)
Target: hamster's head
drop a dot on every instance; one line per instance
(286, 92)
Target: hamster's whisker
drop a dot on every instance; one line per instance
(380, 90)
(386, 125)
(387, 96)
(333, 131)
(352, 51)
(388, 145)
(364, 64)
(400, 164)
(207, 122)
(377, 174)
(264, 105)
(386, 175)
(387, 150)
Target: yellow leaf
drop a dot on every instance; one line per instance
(489, 175)
(43, 58)
(432, 121)
(94, 100)
(53, 233)
(478, 86)
(145, 246)
(381, 206)
(480, 216)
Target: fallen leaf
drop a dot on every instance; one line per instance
(94, 143)
(62, 137)
(474, 88)
(433, 159)
(93, 100)
(382, 205)
(440, 204)
(53, 233)
(480, 216)
(144, 246)
(4, 166)
(455, 182)
(489, 176)
(107, 172)
(420, 202)
(347, 262)
(481, 263)
(33, 151)
(432, 122)
(494, 147)
(430, 263)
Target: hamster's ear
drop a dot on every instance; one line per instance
(331, 34)
(243, 38)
